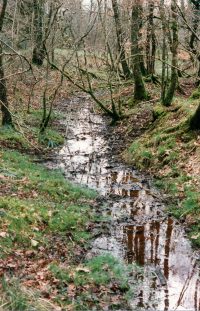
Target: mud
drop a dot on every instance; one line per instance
(139, 230)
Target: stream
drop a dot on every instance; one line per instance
(140, 231)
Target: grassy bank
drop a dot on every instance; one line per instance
(26, 137)
(45, 231)
(170, 153)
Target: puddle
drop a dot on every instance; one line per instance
(140, 231)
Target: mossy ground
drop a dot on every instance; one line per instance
(170, 152)
(26, 135)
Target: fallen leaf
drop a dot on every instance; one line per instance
(4, 234)
(195, 237)
(71, 290)
(82, 269)
(34, 243)
(30, 253)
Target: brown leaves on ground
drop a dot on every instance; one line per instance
(7, 183)
(192, 167)
(31, 266)
(102, 296)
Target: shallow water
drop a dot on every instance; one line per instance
(140, 232)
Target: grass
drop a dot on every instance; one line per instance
(13, 137)
(103, 271)
(36, 196)
(169, 151)
(43, 239)
(51, 138)
(30, 139)
(18, 298)
(26, 133)
(39, 210)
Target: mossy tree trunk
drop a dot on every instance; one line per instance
(141, 49)
(193, 40)
(6, 115)
(195, 120)
(39, 48)
(139, 90)
(164, 50)
(120, 41)
(151, 40)
(167, 100)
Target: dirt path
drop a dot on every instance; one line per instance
(138, 230)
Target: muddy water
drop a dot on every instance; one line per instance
(140, 232)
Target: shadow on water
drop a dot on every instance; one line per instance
(140, 232)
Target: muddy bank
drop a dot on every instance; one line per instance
(138, 229)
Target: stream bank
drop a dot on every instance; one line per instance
(46, 226)
(138, 231)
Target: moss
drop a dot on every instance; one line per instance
(196, 94)
(131, 102)
(159, 111)
(15, 138)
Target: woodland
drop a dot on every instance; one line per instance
(128, 72)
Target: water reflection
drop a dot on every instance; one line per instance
(163, 245)
(141, 234)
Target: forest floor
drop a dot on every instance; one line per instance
(45, 231)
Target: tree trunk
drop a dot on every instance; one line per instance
(195, 120)
(192, 43)
(164, 50)
(151, 41)
(6, 115)
(139, 91)
(39, 48)
(120, 41)
(174, 49)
